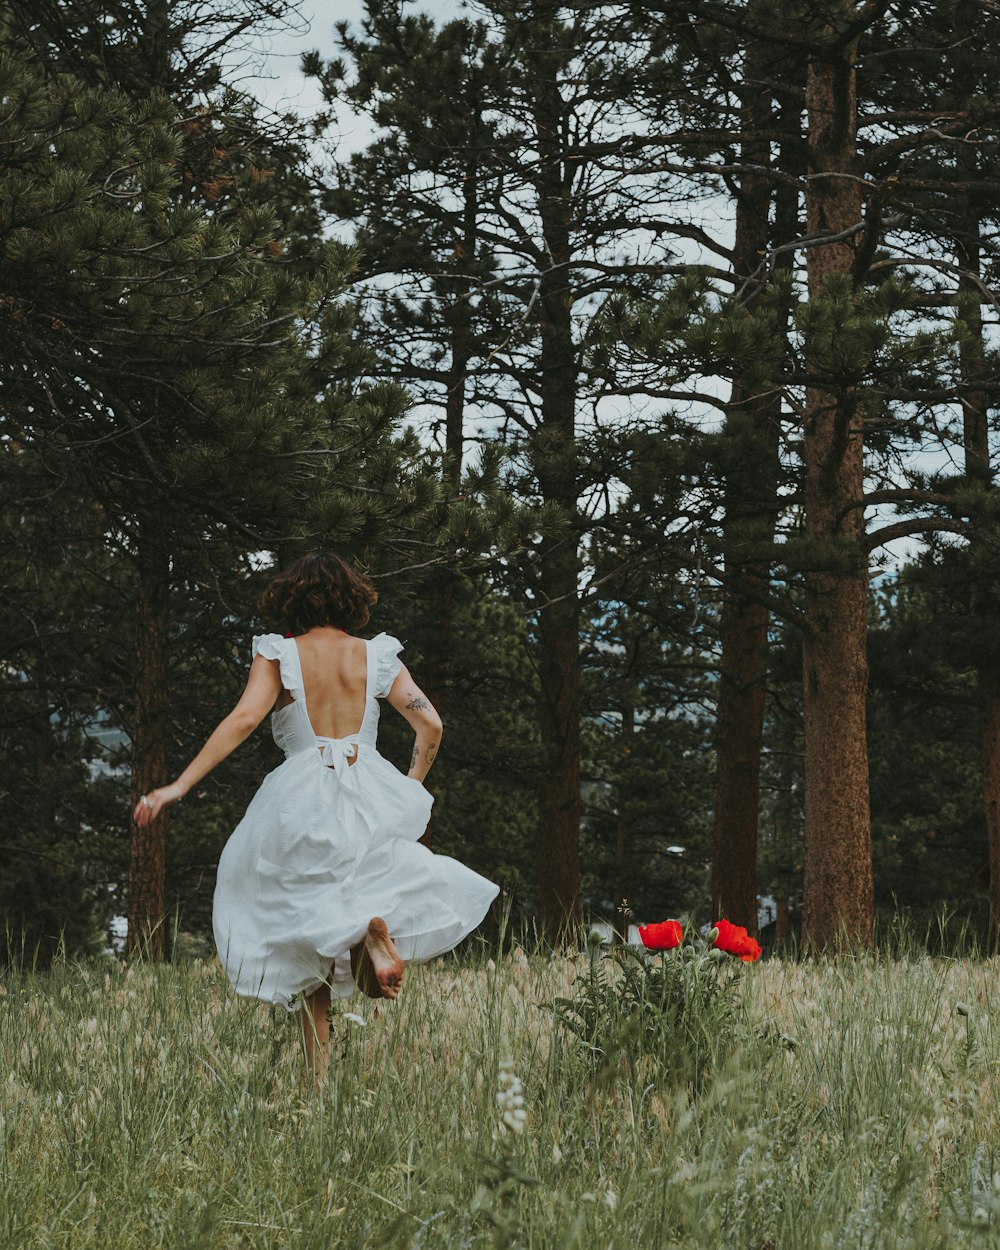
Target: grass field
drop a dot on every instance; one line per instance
(147, 1107)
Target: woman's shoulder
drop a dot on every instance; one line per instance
(270, 646)
(278, 647)
(386, 642)
(387, 662)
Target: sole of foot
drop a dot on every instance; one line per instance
(384, 971)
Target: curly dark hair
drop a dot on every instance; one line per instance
(319, 589)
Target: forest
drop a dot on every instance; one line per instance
(643, 353)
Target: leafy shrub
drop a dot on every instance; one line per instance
(680, 1008)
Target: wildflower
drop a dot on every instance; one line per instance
(734, 939)
(355, 1018)
(661, 937)
(510, 1099)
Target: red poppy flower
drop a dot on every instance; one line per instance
(661, 937)
(735, 940)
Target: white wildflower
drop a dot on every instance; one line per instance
(610, 1199)
(510, 1098)
(355, 1018)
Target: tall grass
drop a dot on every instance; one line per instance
(145, 1107)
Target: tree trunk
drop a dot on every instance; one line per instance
(989, 732)
(976, 446)
(554, 454)
(782, 922)
(559, 832)
(146, 877)
(838, 887)
(46, 789)
(739, 729)
(751, 433)
(784, 827)
(460, 327)
(623, 838)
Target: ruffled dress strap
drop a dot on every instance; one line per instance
(284, 650)
(387, 662)
(371, 671)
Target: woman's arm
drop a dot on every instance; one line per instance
(257, 699)
(410, 701)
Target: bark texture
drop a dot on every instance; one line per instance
(554, 455)
(739, 730)
(623, 833)
(976, 441)
(838, 903)
(146, 875)
(786, 834)
(989, 732)
(751, 434)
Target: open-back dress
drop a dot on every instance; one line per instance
(329, 841)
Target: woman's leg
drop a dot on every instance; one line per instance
(316, 1031)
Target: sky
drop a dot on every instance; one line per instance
(277, 79)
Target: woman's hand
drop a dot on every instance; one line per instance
(261, 691)
(153, 803)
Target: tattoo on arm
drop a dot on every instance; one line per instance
(417, 704)
(415, 756)
(432, 751)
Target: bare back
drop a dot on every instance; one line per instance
(334, 669)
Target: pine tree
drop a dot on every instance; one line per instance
(554, 228)
(950, 192)
(838, 876)
(154, 357)
(769, 88)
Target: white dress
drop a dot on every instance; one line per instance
(325, 845)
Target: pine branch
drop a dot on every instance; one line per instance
(915, 525)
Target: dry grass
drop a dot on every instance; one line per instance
(147, 1107)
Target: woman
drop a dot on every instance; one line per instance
(323, 885)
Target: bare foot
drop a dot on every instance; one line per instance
(379, 969)
(364, 973)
